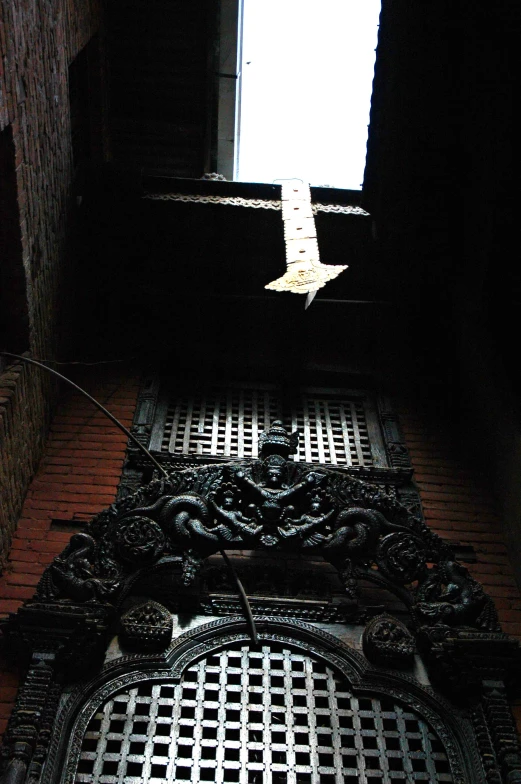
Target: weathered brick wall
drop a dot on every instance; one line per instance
(460, 508)
(77, 478)
(37, 43)
(21, 415)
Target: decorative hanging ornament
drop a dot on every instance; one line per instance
(305, 273)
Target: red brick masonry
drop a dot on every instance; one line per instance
(77, 478)
(38, 41)
(460, 509)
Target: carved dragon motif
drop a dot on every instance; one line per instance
(74, 574)
(449, 595)
(276, 504)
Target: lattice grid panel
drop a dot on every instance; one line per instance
(224, 422)
(333, 429)
(269, 716)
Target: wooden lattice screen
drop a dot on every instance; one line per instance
(265, 716)
(336, 427)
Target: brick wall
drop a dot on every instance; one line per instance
(21, 415)
(77, 478)
(460, 508)
(37, 43)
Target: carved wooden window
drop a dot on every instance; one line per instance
(337, 427)
(264, 716)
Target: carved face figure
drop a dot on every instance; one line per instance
(228, 500)
(274, 476)
(271, 512)
(274, 472)
(315, 506)
(227, 497)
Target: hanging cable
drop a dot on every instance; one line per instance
(93, 401)
(245, 603)
(235, 576)
(79, 362)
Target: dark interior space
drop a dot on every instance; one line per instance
(14, 319)
(187, 281)
(432, 263)
(160, 76)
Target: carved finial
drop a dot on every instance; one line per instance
(214, 176)
(277, 441)
(146, 626)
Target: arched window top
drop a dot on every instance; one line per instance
(277, 712)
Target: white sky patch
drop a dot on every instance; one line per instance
(307, 74)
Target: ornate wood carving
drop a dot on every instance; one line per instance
(146, 626)
(274, 505)
(27, 736)
(503, 730)
(388, 642)
(306, 611)
(394, 441)
(144, 416)
(282, 508)
(485, 745)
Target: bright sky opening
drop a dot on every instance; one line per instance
(307, 74)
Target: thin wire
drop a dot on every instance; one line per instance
(92, 400)
(244, 598)
(287, 179)
(38, 363)
(79, 362)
